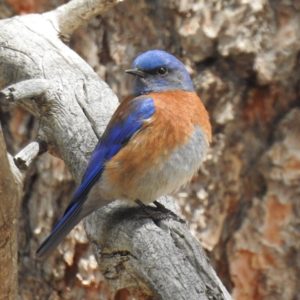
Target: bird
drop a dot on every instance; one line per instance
(154, 143)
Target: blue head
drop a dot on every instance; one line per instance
(157, 71)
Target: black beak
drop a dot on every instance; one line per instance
(136, 72)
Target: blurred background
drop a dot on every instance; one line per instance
(244, 205)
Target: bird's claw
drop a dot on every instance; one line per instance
(159, 212)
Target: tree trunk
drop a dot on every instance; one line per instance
(10, 194)
(243, 206)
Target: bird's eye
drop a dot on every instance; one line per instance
(162, 71)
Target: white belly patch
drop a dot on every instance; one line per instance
(175, 171)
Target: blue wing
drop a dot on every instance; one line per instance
(123, 125)
(126, 121)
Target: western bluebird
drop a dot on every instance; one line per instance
(153, 144)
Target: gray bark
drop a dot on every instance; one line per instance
(73, 105)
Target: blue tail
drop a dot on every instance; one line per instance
(70, 219)
(122, 127)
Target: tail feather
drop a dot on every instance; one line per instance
(71, 217)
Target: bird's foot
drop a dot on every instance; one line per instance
(159, 212)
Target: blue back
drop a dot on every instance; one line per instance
(117, 134)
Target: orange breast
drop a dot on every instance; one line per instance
(183, 108)
(176, 115)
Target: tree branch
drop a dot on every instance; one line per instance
(164, 260)
(67, 18)
(27, 155)
(24, 90)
